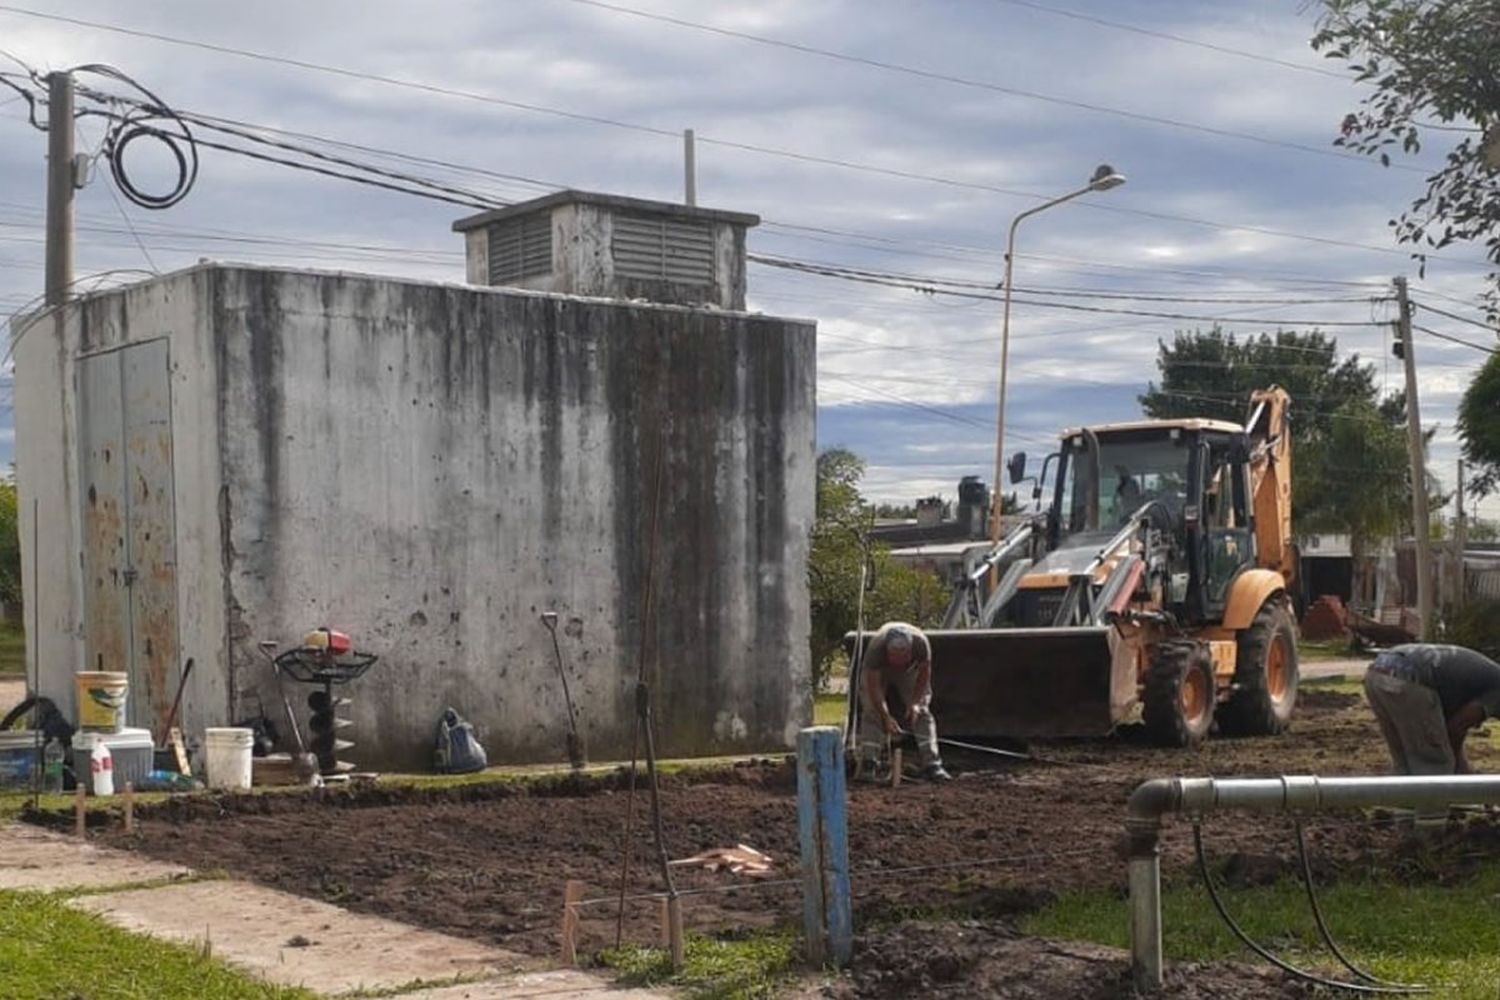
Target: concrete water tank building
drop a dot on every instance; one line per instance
(230, 454)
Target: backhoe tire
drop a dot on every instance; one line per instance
(1178, 703)
(1265, 676)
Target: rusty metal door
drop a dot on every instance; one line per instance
(129, 557)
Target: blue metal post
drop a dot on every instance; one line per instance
(824, 830)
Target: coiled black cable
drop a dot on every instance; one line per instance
(153, 120)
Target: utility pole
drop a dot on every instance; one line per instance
(1461, 538)
(689, 168)
(1420, 519)
(60, 187)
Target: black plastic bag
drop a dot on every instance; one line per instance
(458, 749)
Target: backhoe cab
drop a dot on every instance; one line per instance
(1153, 586)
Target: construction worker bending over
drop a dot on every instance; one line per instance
(898, 656)
(1426, 698)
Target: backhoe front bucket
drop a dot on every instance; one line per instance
(1031, 682)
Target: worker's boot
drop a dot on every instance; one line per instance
(936, 773)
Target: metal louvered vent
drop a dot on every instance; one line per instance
(520, 248)
(663, 250)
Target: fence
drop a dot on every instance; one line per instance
(1485, 584)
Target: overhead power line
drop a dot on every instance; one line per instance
(1456, 340)
(931, 289)
(1454, 316)
(675, 135)
(1067, 292)
(977, 84)
(1168, 36)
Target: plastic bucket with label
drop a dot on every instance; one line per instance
(101, 700)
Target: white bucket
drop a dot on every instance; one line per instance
(227, 753)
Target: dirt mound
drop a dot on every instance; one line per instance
(1325, 620)
(974, 958)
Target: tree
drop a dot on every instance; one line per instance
(1435, 67)
(1211, 374)
(1479, 426)
(10, 550)
(839, 548)
(1356, 480)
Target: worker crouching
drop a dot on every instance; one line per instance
(898, 656)
(1426, 698)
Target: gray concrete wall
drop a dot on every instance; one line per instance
(431, 467)
(175, 308)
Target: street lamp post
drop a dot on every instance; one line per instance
(1105, 177)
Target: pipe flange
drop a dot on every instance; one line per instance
(1142, 839)
(1300, 795)
(1198, 797)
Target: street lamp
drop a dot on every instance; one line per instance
(1105, 177)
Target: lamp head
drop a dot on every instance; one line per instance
(1105, 177)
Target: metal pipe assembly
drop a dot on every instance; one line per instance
(1195, 798)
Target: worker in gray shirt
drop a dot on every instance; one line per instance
(1426, 698)
(898, 656)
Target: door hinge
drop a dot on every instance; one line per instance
(129, 576)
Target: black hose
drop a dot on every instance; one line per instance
(1248, 942)
(1323, 931)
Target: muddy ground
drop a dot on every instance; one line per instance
(971, 958)
(490, 862)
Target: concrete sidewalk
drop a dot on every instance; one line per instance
(279, 937)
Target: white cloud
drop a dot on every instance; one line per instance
(878, 343)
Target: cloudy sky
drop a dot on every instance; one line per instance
(883, 136)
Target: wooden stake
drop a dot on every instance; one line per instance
(572, 893)
(129, 807)
(896, 767)
(823, 833)
(80, 809)
(674, 929)
(666, 923)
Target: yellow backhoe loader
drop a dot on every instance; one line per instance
(1155, 586)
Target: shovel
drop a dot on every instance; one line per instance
(576, 756)
(171, 744)
(304, 764)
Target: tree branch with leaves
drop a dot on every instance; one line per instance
(1435, 69)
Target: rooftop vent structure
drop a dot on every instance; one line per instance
(608, 246)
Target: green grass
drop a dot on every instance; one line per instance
(1341, 685)
(1448, 937)
(753, 967)
(48, 950)
(12, 651)
(1330, 649)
